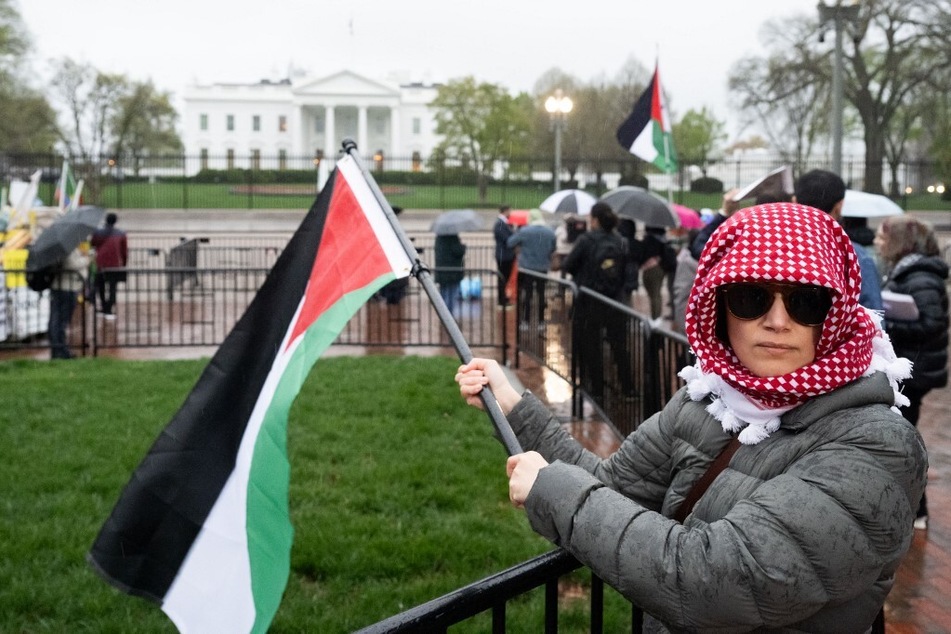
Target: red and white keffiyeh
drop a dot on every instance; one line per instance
(790, 243)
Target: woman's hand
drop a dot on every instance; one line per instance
(522, 470)
(478, 373)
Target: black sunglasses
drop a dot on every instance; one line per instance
(806, 304)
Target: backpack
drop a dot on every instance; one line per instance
(575, 227)
(608, 273)
(41, 279)
(668, 259)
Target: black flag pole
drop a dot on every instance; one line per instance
(422, 274)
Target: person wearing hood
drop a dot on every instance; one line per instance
(803, 525)
(535, 244)
(910, 252)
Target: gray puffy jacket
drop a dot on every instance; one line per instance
(801, 532)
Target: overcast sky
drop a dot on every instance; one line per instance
(510, 42)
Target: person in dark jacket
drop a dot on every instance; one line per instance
(806, 523)
(657, 252)
(825, 190)
(450, 258)
(593, 325)
(909, 250)
(112, 253)
(504, 254)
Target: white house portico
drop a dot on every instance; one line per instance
(308, 118)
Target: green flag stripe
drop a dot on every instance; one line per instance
(268, 521)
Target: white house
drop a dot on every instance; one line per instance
(291, 122)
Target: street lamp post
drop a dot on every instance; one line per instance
(839, 15)
(558, 106)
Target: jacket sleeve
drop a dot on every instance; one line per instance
(928, 292)
(575, 258)
(816, 536)
(638, 469)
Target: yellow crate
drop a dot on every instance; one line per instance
(14, 263)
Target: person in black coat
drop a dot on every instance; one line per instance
(450, 259)
(595, 323)
(909, 251)
(504, 254)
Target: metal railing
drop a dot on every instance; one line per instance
(191, 306)
(608, 352)
(493, 593)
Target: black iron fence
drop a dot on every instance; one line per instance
(493, 593)
(253, 181)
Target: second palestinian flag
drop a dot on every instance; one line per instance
(646, 133)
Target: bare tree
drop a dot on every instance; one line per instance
(783, 94)
(88, 102)
(894, 48)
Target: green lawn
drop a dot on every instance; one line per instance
(209, 196)
(398, 494)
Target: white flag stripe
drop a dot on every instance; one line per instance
(643, 145)
(399, 260)
(194, 597)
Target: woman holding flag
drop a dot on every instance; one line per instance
(778, 488)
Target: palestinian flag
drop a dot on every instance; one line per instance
(65, 193)
(646, 133)
(202, 527)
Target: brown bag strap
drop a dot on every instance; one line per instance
(700, 486)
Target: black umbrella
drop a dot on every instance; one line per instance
(59, 239)
(640, 205)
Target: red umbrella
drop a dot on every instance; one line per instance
(689, 219)
(518, 217)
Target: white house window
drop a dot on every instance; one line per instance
(203, 158)
(256, 123)
(203, 122)
(229, 123)
(282, 123)
(417, 125)
(319, 124)
(255, 159)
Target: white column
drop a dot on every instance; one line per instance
(395, 149)
(330, 143)
(362, 132)
(297, 132)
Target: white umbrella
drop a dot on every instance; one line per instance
(865, 205)
(571, 201)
